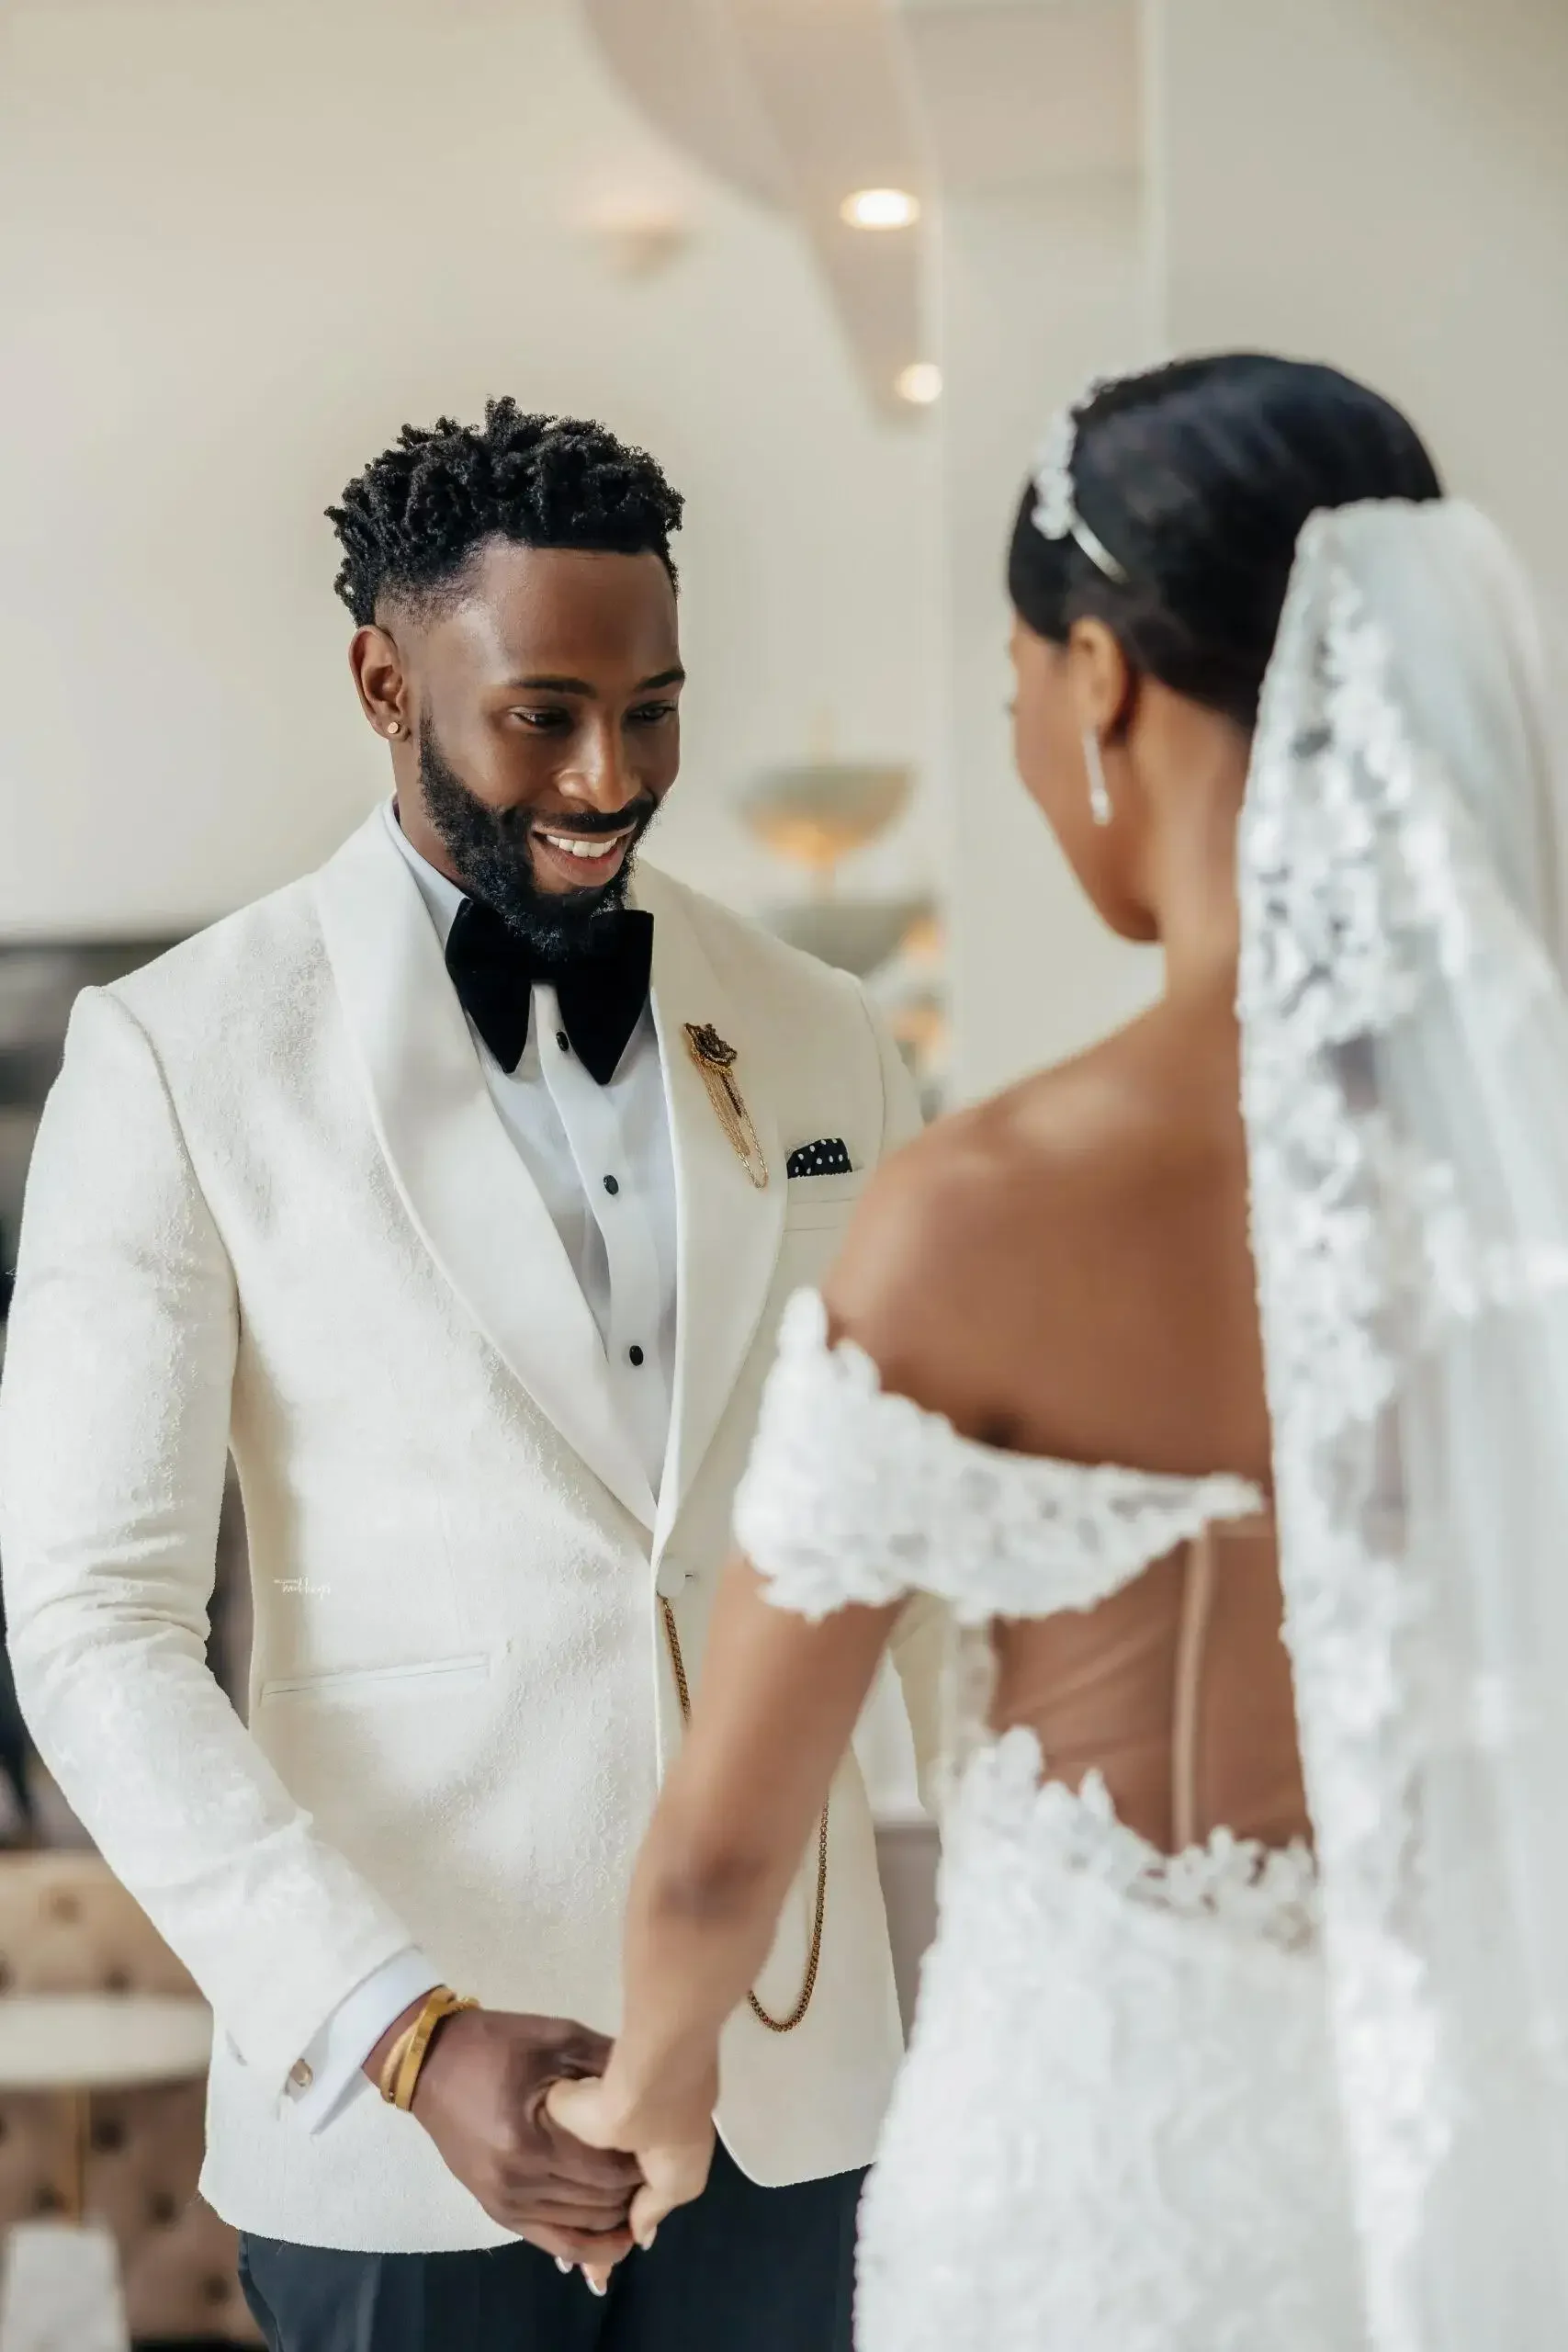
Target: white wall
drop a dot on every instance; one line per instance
(1038, 290)
(241, 242)
(1383, 184)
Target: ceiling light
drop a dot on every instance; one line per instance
(919, 384)
(880, 207)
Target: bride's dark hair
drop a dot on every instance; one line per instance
(1197, 479)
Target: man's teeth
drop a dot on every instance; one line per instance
(574, 845)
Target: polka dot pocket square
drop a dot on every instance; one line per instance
(826, 1159)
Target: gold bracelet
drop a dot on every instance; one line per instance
(412, 2048)
(440, 2005)
(390, 2064)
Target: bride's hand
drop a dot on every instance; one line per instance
(672, 2155)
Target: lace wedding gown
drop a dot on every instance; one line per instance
(1117, 2130)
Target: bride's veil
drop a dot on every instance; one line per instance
(1405, 1026)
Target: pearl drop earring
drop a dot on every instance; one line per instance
(1100, 805)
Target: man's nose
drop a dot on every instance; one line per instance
(600, 776)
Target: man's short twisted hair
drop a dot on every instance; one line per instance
(411, 522)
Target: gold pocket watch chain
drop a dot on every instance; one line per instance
(814, 1958)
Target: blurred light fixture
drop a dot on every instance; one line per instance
(858, 936)
(813, 815)
(919, 384)
(880, 207)
(639, 240)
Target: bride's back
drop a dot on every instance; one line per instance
(1086, 1294)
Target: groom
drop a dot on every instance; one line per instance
(456, 1190)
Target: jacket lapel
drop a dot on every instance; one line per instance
(471, 1200)
(728, 1232)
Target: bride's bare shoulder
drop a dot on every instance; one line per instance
(976, 1171)
(1014, 1211)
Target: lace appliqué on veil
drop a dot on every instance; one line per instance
(1360, 883)
(855, 1495)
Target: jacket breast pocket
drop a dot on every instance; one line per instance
(823, 1204)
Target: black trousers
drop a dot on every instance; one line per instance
(743, 2270)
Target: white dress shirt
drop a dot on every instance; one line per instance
(601, 1159)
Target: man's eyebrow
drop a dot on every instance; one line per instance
(676, 677)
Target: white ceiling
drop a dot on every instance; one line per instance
(685, 65)
(833, 79)
(799, 102)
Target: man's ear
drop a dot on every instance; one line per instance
(380, 680)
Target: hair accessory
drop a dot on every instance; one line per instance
(1055, 514)
(1099, 805)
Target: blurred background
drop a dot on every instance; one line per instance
(835, 262)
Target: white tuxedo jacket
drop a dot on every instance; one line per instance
(273, 1210)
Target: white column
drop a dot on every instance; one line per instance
(1037, 290)
(1041, 276)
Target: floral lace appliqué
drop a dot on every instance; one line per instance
(1363, 891)
(1259, 1893)
(856, 1495)
(1117, 2129)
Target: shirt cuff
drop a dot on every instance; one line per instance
(329, 2073)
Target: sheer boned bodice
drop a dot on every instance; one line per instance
(1128, 1620)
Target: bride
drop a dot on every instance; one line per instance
(1246, 2023)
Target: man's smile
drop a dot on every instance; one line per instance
(579, 860)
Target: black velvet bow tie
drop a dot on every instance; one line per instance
(602, 990)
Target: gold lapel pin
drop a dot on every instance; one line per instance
(716, 1061)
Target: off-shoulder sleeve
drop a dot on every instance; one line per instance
(856, 1495)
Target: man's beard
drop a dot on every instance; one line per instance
(493, 862)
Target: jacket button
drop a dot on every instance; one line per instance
(301, 2075)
